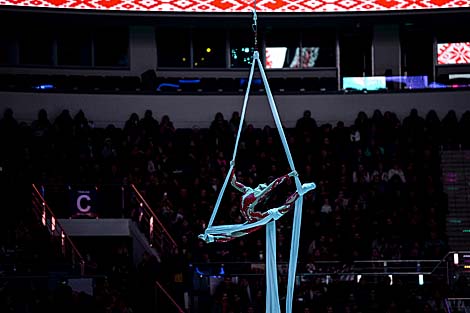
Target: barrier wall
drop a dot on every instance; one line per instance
(199, 110)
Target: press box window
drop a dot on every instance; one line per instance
(318, 48)
(209, 48)
(111, 47)
(36, 46)
(241, 48)
(74, 47)
(173, 48)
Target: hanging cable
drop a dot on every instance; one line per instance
(255, 27)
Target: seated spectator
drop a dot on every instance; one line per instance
(380, 171)
(326, 207)
(398, 171)
(360, 175)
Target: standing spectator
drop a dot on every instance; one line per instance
(362, 124)
(41, 130)
(450, 129)
(149, 125)
(413, 128)
(234, 123)
(306, 125)
(432, 127)
(464, 130)
(81, 125)
(219, 132)
(8, 132)
(132, 129)
(167, 130)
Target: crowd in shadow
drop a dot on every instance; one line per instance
(379, 193)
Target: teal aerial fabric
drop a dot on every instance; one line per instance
(212, 233)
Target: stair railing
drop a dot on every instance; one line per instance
(47, 218)
(153, 228)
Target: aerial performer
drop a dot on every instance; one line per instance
(251, 198)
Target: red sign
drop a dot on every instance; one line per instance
(234, 6)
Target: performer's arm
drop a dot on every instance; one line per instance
(239, 186)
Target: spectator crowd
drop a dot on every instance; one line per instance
(379, 193)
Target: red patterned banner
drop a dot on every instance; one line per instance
(453, 53)
(231, 6)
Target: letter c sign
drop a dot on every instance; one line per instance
(80, 199)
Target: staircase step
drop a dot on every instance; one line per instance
(455, 166)
(463, 239)
(457, 225)
(453, 163)
(461, 215)
(458, 205)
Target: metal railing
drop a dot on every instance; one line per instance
(457, 305)
(156, 233)
(169, 297)
(47, 218)
(443, 267)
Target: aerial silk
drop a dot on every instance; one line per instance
(212, 233)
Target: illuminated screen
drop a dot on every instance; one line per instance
(275, 57)
(365, 83)
(460, 75)
(409, 82)
(453, 53)
(278, 57)
(298, 6)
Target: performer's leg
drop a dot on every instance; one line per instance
(289, 204)
(234, 235)
(261, 195)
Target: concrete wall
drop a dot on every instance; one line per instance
(199, 110)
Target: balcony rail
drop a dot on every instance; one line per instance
(457, 305)
(47, 218)
(416, 270)
(151, 226)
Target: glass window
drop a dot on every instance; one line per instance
(209, 50)
(241, 48)
(36, 46)
(318, 49)
(111, 47)
(7, 48)
(74, 47)
(356, 54)
(282, 49)
(417, 50)
(173, 47)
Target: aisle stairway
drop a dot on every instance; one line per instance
(456, 182)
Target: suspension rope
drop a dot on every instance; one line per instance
(255, 27)
(212, 233)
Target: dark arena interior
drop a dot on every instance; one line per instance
(121, 122)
